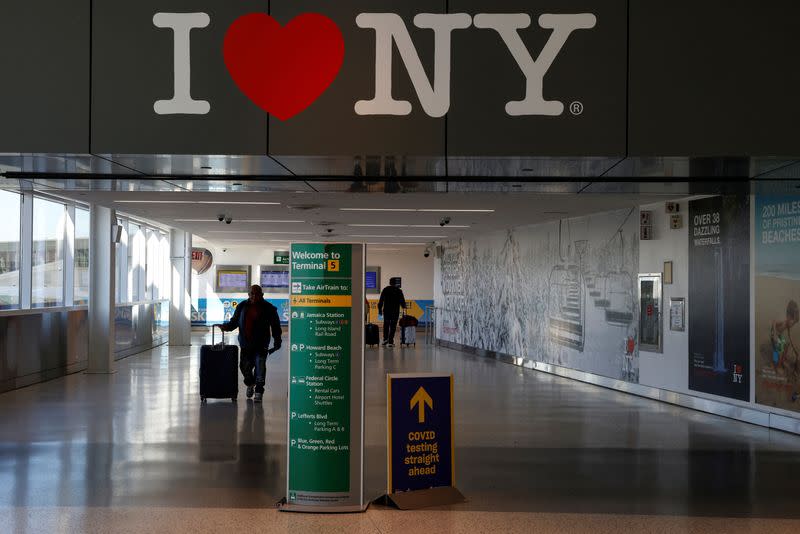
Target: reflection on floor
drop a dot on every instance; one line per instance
(136, 452)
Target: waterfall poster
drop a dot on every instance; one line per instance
(719, 296)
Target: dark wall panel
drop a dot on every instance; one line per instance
(44, 93)
(714, 78)
(133, 68)
(590, 70)
(330, 126)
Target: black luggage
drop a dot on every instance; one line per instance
(371, 334)
(408, 320)
(219, 370)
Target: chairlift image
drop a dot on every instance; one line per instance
(565, 297)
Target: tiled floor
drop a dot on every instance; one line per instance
(136, 451)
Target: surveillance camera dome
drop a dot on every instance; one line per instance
(221, 217)
(330, 230)
(427, 253)
(228, 220)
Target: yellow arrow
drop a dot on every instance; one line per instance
(421, 398)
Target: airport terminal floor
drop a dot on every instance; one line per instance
(136, 451)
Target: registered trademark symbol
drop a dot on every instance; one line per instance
(576, 108)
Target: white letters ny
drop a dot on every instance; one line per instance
(435, 98)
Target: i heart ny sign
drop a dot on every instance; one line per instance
(284, 69)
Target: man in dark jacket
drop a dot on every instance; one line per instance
(390, 303)
(255, 318)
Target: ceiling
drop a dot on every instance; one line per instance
(301, 213)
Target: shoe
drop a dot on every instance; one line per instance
(250, 390)
(259, 397)
(390, 345)
(385, 343)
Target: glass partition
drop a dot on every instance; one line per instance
(9, 250)
(47, 276)
(81, 273)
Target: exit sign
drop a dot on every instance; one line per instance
(281, 257)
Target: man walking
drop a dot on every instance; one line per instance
(390, 303)
(255, 318)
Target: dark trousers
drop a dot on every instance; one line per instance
(253, 365)
(389, 327)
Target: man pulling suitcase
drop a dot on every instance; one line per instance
(255, 318)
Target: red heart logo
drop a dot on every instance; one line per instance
(283, 69)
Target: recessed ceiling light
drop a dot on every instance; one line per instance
(455, 211)
(376, 209)
(398, 236)
(429, 210)
(408, 226)
(240, 221)
(259, 233)
(238, 202)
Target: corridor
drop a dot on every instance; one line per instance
(136, 451)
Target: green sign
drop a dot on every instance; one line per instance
(280, 257)
(321, 366)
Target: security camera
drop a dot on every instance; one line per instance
(445, 221)
(224, 250)
(330, 230)
(427, 252)
(221, 217)
(228, 220)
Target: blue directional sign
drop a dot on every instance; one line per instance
(420, 426)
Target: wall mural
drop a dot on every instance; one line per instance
(719, 296)
(777, 293)
(562, 293)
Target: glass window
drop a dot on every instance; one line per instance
(136, 255)
(9, 250)
(122, 264)
(153, 264)
(166, 268)
(47, 276)
(81, 275)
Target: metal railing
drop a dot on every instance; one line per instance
(430, 325)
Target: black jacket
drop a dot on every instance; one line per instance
(268, 320)
(391, 301)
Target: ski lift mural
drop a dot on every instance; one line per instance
(565, 305)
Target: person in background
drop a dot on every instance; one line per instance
(389, 305)
(255, 318)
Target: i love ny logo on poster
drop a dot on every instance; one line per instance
(284, 69)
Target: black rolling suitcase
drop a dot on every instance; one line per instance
(219, 370)
(371, 334)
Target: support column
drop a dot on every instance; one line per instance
(180, 309)
(102, 281)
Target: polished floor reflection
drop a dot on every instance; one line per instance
(137, 451)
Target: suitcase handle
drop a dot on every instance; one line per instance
(221, 345)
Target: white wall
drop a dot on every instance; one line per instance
(409, 263)
(669, 370)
